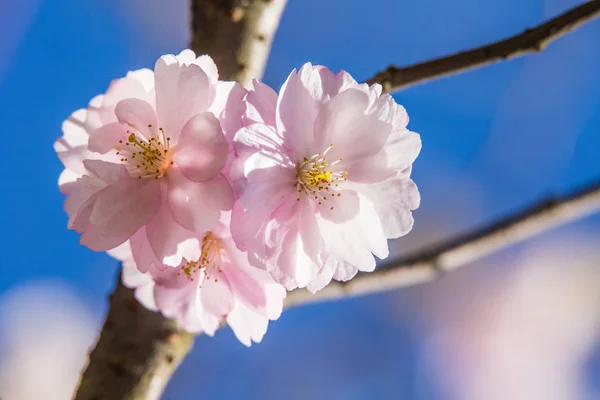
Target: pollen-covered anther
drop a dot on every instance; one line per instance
(146, 157)
(316, 175)
(209, 263)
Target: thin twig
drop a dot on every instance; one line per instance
(426, 265)
(531, 40)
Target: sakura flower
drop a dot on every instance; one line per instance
(220, 285)
(323, 177)
(150, 154)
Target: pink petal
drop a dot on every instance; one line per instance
(208, 66)
(133, 278)
(344, 123)
(169, 240)
(166, 298)
(72, 146)
(186, 57)
(262, 138)
(393, 201)
(275, 295)
(108, 137)
(322, 278)
(299, 103)
(144, 76)
(202, 149)
(353, 241)
(145, 259)
(339, 208)
(137, 114)
(266, 187)
(247, 325)
(216, 296)
(402, 149)
(127, 204)
(228, 106)
(143, 285)
(181, 92)
(293, 244)
(197, 206)
(344, 272)
(333, 84)
(107, 172)
(261, 105)
(115, 213)
(242, 282)
(145, 296)
(132, 86)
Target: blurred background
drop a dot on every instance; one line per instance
(521, 324)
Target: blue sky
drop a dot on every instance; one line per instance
(494, 140)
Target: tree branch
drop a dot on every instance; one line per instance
(237, 34)
(426, 265)
(136, 354)
(531, 40)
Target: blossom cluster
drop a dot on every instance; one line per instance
(218, 199)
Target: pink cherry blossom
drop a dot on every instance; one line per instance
(219, 285)
(149, 156)
(323, 177)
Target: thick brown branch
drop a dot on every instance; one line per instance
(237, 34)
(426, 265)
(136, 354)
(531, 40)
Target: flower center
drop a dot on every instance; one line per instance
(149, 158)
(316, 177)
(209, 263)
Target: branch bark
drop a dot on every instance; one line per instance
(531, 40)
(237, 34)
(428, 264)
(136, 354)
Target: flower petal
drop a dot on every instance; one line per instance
(171, 242)
(261, 105)
(139, 115)
(393, 201)
(293, 243)
(353, 241)
(247, 325)
(197, 206)
(182, 91)
(202, 150)
(339, 207)
(241, 280)
(108, 137)
(343, 121)
(297, 108)
(72, 146)
(216, 295)
(402, 149)
(145, 259)
(125, 201)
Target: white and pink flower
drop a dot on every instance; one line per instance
(147, 158)
(218, 286)
(323, 177)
